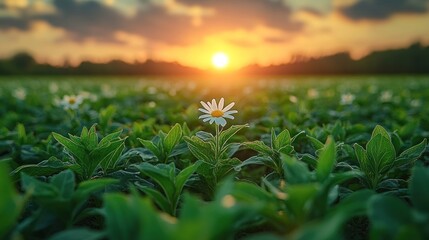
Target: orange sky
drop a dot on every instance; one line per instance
(191, 31)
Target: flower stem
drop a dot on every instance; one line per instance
(217, 144)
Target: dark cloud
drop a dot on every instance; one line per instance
(383, 9)
(92, 19)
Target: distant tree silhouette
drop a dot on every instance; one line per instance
(411, 60)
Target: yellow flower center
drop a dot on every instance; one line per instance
(217, 113)
(72, 101)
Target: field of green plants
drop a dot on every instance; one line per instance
(146, 158)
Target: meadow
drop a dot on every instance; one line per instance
(130, 158)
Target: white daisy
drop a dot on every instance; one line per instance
(386, 96)
(347, 99)
(20, 93)
(216, 113)
(71, 102)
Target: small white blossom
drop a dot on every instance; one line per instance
(416, 103)
(53, 87)
(312, 93)
(347, 99)
(293, 99)
(151, 104)
(152, 90)
(216, 113)
(386, 96)
(71, 102)
(20, 93)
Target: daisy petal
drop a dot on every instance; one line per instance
(206, 119)
(229, 106)
(214, 105)
(231, 112)
(203, 110)
(220, 105)
(221, 121)
(204, 116)
(210, 106)
(212, 120)
(205, 105)
(228, 116)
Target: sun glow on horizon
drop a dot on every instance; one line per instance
(220, 60)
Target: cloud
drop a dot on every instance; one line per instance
(169, 21)
(383, 9)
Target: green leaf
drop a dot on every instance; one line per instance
(92, 138)
(183, 176)
(22, 135)
(10, 202)
(388, 215)
(134, 218)
(172, 139)
(38, 188)
(282, 140)
(326, 160)
(260, 147)
(227, 134)
(89, 187)
(65, 183)
(330, 227)
(302, 133)
(157, 197)
(110, 137)
(300, 197)
(200, 149)
(316, 143)
(362, 157)
(415, 151)
(295, 172)
(381, 154)
(160, 176)
(78, 233)
(380, 130)
(101, 154)
(256, 160)
(110, 161)
(122, 222)
(151, 146)
(44, 168)
(418, 188)
(78, 150)
(106, 115)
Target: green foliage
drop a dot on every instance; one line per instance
(216, 153)
(163, 144)
(311, 168)
(10, 202)
(60, 198)
(380, 156)
(89, 153)
(269, 155)
(132, 217)
(170, 183)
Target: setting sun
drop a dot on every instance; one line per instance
(220, 60)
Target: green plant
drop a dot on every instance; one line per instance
(393, 218)
(11, 203)
(380, 156)
(60, 199)
(88, 153)
(269, 155)
(171, 184)
(162, 145)
(216, 153)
